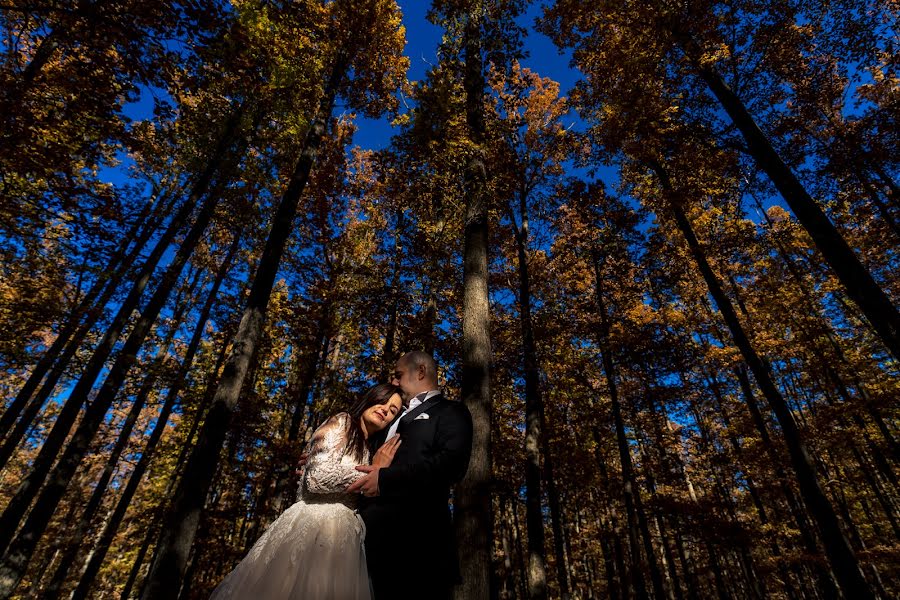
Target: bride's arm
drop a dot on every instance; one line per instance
(324, 472)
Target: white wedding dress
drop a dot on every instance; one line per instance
(314, 550)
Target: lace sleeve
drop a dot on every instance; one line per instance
(326, 473)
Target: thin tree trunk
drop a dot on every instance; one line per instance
(473, 508)
(556, 520)
(45, 50)
(12, 567)
(534, 413)
(167, 571)
(152, 533)
(107, 279)
(80, 530)
(67, 416)
(389, 356)
(523, 563)
(841, 556)
(630, 490)
(856, 279)
(68, 350)
(101, 545)
(15, 559)
(285, 490)
(136, 567)
(761, 511)
(440, 222)
(621, 573)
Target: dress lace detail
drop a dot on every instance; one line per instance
(314, 550)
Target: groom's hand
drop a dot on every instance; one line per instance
(367, 485)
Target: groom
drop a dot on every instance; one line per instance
(410, 544)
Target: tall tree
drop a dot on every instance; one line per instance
(533, 145)
(842, 557)
(359, 29)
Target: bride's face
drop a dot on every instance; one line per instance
(377, 416)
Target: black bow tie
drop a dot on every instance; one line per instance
(419, 397)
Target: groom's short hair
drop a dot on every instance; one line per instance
(417, 358)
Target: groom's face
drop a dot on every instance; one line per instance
(405, 378)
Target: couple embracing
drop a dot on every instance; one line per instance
(369, 526)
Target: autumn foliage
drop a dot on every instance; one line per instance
(668, 295)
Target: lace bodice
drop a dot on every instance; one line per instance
(315, 548)
(329, 470)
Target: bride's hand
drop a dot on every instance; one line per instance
(301, 464)
(385, 454)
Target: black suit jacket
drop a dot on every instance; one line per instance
(409, 533)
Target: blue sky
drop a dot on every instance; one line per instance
(422, 39)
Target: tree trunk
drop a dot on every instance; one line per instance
(13, 565)
(761, 511)
(473, 507)
(152, 534)
(841, 556)
(534, 412)
(45, 50)
(14, 561)
(108, 279)
(637, 529)
(101, 545)
(556, 520)
(285, 491)
(620, 574)
(68, 350)
(389, 356)
(80, 530)
(169, 566)
(434, 267)
(856, 279)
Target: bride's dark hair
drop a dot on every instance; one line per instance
(378, 394)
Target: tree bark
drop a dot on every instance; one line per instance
(15, 559)
(108, 279)
(389, 356)
(843, 559)
(472, 500)
(556, 520)
(167, 571)
(101, 545)
(630, 490)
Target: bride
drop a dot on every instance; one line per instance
(314, 550)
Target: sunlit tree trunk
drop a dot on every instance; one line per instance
(534, 411)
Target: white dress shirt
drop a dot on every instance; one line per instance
(414, 402)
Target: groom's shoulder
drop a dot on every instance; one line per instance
(453, 406)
